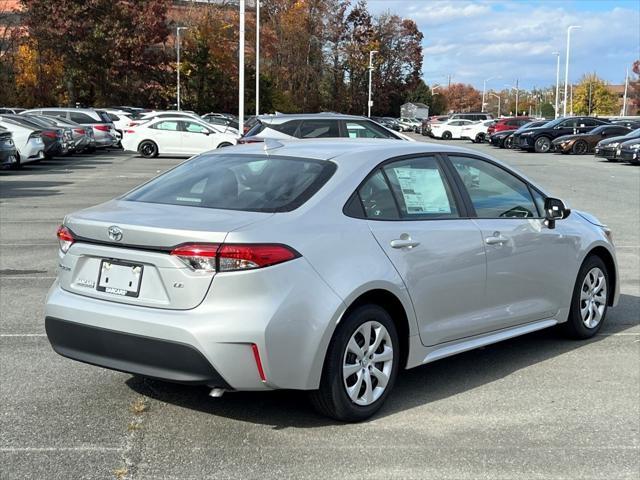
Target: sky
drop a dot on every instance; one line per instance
(516, 39)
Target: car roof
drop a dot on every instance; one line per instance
(285, 117)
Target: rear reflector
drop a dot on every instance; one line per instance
(232, 257)
(256, 357)
(65, 238)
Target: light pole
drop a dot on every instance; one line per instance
(241, 71)
(557, 54)
(626, 87)
(566, 69)
(178, 29)
(484, 89)
(369, 103)
(257, 57)
(499, 101)
(511, 87)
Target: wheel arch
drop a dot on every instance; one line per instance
(605, 255)
(147, 140)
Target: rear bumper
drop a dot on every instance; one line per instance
(137, 354)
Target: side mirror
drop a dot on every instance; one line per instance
(554, 209)
(207, 132)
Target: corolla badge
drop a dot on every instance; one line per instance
(115, 233)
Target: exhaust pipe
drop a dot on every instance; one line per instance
(217, 392)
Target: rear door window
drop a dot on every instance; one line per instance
(194, 127)
(364, 129)
(319, 129)
(171, 125)
(80, 117)
(238, 182)
(288, 128)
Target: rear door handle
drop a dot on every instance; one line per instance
(496, 239)
(404, 243)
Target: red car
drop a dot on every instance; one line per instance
(508, 123)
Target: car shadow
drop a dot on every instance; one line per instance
(20, 189)
(416, 387)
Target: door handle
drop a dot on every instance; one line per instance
(404, 243)
(496, 239)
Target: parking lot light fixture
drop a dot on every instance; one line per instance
(499, 101)
(557, 54)
(566, 68)
(484, 89)
(371, 53)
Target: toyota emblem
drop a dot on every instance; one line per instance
(115, 233)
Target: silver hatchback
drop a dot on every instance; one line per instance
(325, 266)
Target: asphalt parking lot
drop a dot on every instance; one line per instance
(535, 407)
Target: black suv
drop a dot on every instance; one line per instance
(540, 139)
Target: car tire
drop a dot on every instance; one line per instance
(507, 142)
(148, 149)
(580, 148)
(542, 145)
(479, 138)
(224, 144)
(332, 398)
(589, 300)
(446, 135)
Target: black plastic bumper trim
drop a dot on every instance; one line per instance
(130, 353)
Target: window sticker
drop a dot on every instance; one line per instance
(423, 190)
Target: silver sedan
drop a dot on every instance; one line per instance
(323, 265)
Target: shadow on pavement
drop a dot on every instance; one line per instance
(419, 386)
(19, 188)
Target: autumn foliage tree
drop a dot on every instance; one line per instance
(591, 96)
(463, 98)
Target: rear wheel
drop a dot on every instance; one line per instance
(542, 145)
(446, 135)
(148, 149)
(580, 147)
(589, 301)
(479, 138)
(507, 142)
(360, 367)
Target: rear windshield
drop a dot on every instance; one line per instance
(238, 182)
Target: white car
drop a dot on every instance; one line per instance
(409, 124)
(174, 136)
(184, 115)
(28, 142)
(449, 129)
(477, 131)
(120, 119)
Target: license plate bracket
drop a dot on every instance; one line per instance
(117, 277)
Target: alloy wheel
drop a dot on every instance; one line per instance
(593, 297)
(543, 145)
(367, 363)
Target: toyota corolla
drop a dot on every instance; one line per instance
(324, 265)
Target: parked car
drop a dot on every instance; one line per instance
(187, 116)
(316, 125)
(222, 120)
(174, 136)
(539, 139)
(5, 110)
(8, 151)
(450, 129)
(327, 266)
(81, 136)
(582, 143)
(120, 119)
(508, 123)
(473, 116)
(628, 151)
(56, 141)
(27, 141)
(409, 124)
(427, 122)
(104, 132)
(504, 138)
(609, 148)
(390, 123)
(477, 131)
(626, 122)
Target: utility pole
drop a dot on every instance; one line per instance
(499, 101)
(241, 71)
(370, 103)
(178, 29)
(566, 70)
(557, 54)
(626, 88)
(589, 99)
(484, 89)
(257, 57)
(517, 96)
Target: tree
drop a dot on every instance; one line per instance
(463, 98)
(591, 96)
(634, 89)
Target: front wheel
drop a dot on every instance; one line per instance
(224, 144)
(361, 365)
(542, 145)
(580, 147)
(479, 138)
(589, 301)
(446, 135)
(507, 142)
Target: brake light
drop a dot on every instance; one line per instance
(129, 131)
(79, 131)
(232, 257)
(65, 238)
(49, 134)
(102, 128)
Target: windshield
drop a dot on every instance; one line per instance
(633, 134)
(238, 182)
(534, 125)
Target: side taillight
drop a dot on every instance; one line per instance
(231, 257)
(65, 238)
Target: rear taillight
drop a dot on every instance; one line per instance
(102, 128)
(79, 131)
(129, 131)
(49, 133)
(65, 238)
(233, 257)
